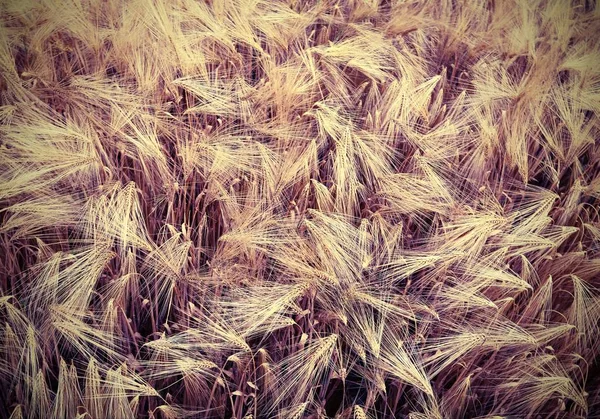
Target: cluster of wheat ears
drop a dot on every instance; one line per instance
(299, 209)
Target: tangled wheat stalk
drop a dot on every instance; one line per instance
(299, 209)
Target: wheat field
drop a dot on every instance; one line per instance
(299, 209)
